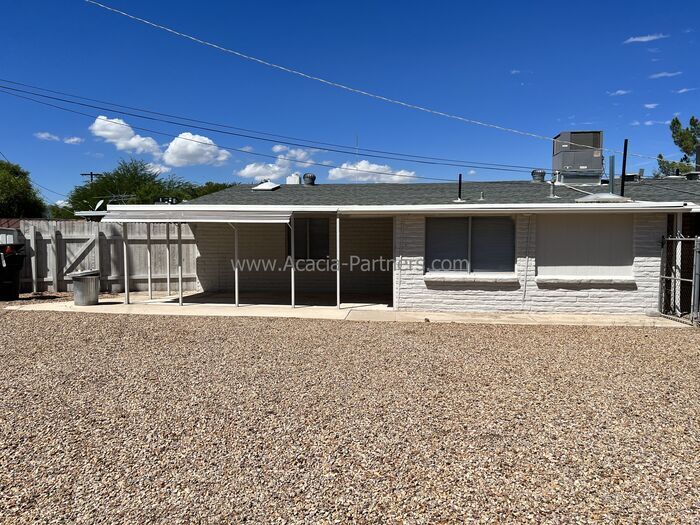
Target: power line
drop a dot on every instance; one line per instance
(276, 157)
(4, 157)
(344, 86)
(435, 161)
(48, 189)
(278, 137)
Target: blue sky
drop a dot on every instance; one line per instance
(540, 67)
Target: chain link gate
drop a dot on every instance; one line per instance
(679, 282)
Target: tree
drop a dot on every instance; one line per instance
(686, 139)
(131, 182)
(135, 182)
(669, 167)
(207, 188)
(18, 197)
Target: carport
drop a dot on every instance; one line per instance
(207, 215)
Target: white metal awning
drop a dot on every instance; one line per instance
(178, 214)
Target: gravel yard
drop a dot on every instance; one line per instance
(149, 419)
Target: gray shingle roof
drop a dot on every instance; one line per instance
(506, 192)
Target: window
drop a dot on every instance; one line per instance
(470, 244)
(584, 246)
(310, 239)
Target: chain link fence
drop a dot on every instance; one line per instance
(679, 282)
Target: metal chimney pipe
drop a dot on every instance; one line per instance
(459, 190)
(624, 169)
(611, 176)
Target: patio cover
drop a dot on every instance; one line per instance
(180, 214)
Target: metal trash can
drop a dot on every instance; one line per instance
(86, 287)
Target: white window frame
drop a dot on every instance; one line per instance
(438, 275)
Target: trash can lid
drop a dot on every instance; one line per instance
(84, 273)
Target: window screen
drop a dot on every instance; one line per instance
(310, 239)
(446, 244)
(493, 244)
(489, 241)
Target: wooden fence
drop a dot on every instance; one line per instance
(56, 248)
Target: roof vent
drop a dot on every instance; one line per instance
(538, 175)
(266, 185)
(309, 179)
(294, 178)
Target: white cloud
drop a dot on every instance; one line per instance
(116, 131)
(300, 156)
(683, 90)
(247, 148)
(666, 74)
(651, 106)
(635, 123)
(264, 170)
(515, 71)
(653, 122)
(189, 149)
(61, 203)
(45, 135)
(471, 172)
(73, 140)
(619, 92)
(365, 171)
(645, 38)
(158, 168)
(287, 159)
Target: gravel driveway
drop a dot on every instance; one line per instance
(181, 419)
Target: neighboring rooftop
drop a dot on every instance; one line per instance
(506, 192)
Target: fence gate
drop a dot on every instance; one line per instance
(679, 283)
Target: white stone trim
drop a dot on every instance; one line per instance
(475, 277)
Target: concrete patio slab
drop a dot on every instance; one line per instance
(141, 305)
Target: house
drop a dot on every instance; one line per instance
(505, 246)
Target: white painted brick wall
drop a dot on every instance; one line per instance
(411, 292)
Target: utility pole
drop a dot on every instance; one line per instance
(624, 170)
(92, 175)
